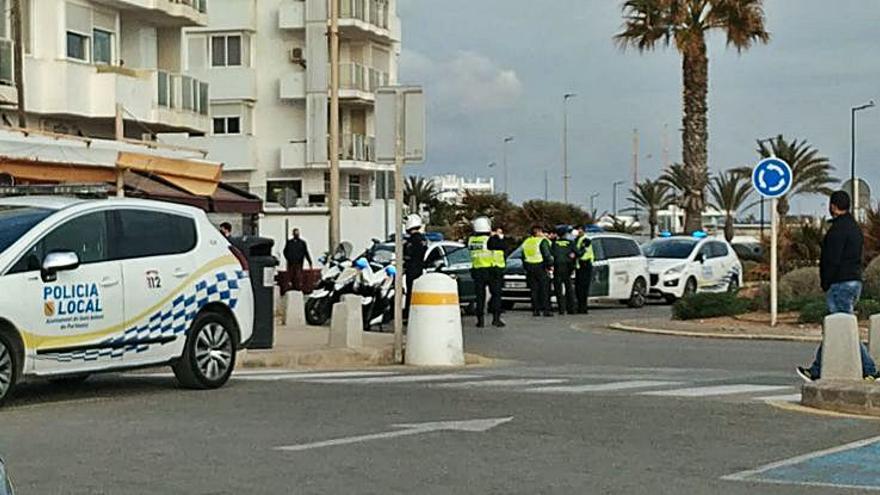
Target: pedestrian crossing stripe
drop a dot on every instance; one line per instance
(502, 383)
(394, 379)
(715, 390)
(605, 387)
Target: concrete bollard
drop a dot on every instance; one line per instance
(841, 356)
(346, 326)
(874, 338)
(294, 309)
(433, 337)
(279, 301)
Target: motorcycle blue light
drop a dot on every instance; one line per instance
(391, 271)
(361, 263)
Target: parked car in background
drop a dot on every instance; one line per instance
(748, 248)
(682, 265)
(620, 273)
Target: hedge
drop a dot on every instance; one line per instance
(709, 305)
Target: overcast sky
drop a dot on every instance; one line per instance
(500, 67)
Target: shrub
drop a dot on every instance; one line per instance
(872, 280)
(799, 303)
(755, 272)
(867, 307)
(802, 282)
(709, 305)
(813, 312)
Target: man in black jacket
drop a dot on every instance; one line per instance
(840, 270)
(296, 251)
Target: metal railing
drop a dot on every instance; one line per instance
(180, 92)
(200, 5)
(360, 77)
(357, 147)
(6, 75)
(374, 12)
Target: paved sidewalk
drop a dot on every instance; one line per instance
(744, 328)
(308, 347)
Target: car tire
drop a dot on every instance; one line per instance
(9, 368)
(639, 294)
(317, 311)
(209, 355)
(733, 285)
(690, 287)
(69, 381)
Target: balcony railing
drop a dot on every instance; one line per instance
(200, 5)
(181, 92)
(374, 12)
(6, 76)
(361, 78)
(357, 147)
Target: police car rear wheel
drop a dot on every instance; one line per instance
(8, 368)
(209, 356)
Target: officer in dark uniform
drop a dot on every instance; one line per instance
(584, 274)
(564, 258)
(538, 264)
(487, 262)
(414, 249)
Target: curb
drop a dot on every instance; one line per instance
(712, 335)
(336, 358)
(850, 397)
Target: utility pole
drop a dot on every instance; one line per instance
(665, 146)
(635, 168)
(120, 135)
(18, 60)
(546, 185)
(334, 234)
(565, 176)
(614, 196)
(593, 202)
(508, 139)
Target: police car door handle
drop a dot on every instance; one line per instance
(180, 272)
(109, 282)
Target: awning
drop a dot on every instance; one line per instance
(191, 176)
(225, 199)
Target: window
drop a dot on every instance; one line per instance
(85, 235)
(717, 250)
(383, 192)
(137, 236)
(598, 249)
(227, 125)
(433, 256)
(354, 187)
(226, 50)
(102, 42)
(620, 248)
(16, 221)
(458, 255)
(77, 46)
(277, 189)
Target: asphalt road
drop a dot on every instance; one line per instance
(593, 411)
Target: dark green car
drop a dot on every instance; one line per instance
(453, 259)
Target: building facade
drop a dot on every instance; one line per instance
(267, 62)
(86, 60)
(452, 188)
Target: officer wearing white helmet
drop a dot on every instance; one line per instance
(414, 248)
(487, 269)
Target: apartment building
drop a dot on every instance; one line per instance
(84, 59)
(267, 63)
(451, 188)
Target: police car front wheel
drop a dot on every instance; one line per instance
(209, 356)
(8, 368)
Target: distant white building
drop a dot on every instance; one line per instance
(453, 187)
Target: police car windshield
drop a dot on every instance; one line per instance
(669, 248)
(15, 221)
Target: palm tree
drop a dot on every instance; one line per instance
(811, 171)
(687, 23)
(729, 191)
(652, 196)
(688, 192)
(419, 191)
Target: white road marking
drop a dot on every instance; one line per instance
(716, 390)
(780, 398)
(605, 387)
(514, 382)
(473, 425)
(396, 379)
(314, 375)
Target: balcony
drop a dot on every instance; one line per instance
(233, 16)
(359, 82)
(292, 15)
(181, 100)
(293, 156)
(166, 13)
(8, 92)
(292, 86)
(229, 83)
(366, 19)
(236, 153)
(357, 148)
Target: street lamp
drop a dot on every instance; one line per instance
(508, 139)
(614, 196)
(593, 202)
(855, 184)
(565, 176)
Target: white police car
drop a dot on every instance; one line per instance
(681, 265)
(97, 285)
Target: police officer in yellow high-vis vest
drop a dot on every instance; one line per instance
(584, 273)
(487, 270)
(538, 264)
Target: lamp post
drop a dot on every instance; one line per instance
(508, 139)
(565, 176)
(593, 202)
(614, 196)
(855, 184)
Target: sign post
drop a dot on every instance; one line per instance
(772, 178)
(400, 139)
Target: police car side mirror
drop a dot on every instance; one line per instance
(700, 258)
(58, 261)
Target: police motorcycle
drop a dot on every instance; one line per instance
(377, 292)
(5, 482)
(319, 305)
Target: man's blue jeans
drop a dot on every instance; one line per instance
(842, 298)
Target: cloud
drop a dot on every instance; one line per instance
(466, 82)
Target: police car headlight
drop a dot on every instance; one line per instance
(675, 270)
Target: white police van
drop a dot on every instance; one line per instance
(682, 265)
(107, 284)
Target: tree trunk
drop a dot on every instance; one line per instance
(653, 226)
(728, 228)
(695, 75)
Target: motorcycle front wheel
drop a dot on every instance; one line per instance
(318, 311)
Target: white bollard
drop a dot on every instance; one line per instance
(874, 338)
(279, 301)
(841, 356)
(294, 309)
(433, 337)
(346, 325)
